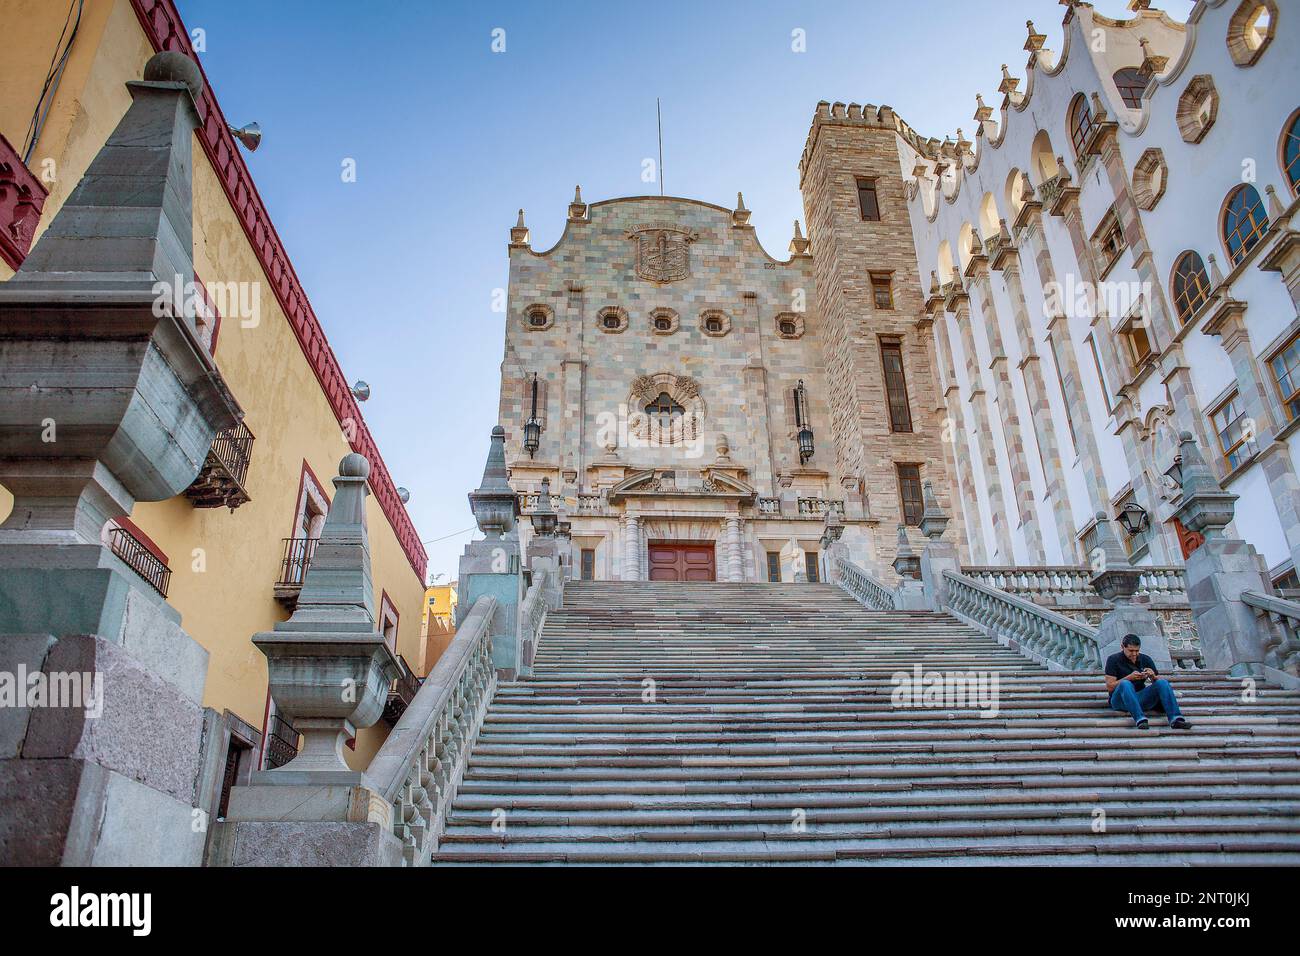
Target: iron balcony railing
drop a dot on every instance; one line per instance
(281, 742)
(221, 480)
(140, 559)
(234, 448)
(298, 553)
(402, 692)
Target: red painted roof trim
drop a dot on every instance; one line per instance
(163, 25)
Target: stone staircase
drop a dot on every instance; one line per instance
(752, 723)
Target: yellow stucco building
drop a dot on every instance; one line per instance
(229, 571)
(439, 624)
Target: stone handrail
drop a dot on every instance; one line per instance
(862, 586)
(420, 765)
(532, 615)
(1075, 582)
(1280, 620)
(1053, 639)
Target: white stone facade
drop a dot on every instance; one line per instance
(1097, 408)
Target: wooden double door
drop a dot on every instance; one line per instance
(681, 561)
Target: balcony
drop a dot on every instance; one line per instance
(298, 553)
(140, 559)
(221, 481)
(403, 691)
(281, 742)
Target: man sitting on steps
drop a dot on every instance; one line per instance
(1127, 676)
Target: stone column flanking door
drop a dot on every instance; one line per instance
(631, 548)
(733, 545)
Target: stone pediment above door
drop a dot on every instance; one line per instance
(682, 483)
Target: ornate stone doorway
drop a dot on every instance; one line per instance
(681, 561)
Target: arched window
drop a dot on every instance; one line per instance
(1080, 123)
(1131, 83)
(1190, 285)
(1291, 152)
(1244, 221)
(664, 412)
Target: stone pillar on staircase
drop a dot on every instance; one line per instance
(492, 566)
(832, 548)
(330, 671)
(1116, 579)
(114, 771)
(1219, 571)
(939, 555)
(909, 595)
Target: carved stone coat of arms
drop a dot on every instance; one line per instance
(663, 254)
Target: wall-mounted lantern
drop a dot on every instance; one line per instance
(1133, 518)
(533, 427)
(805, 434)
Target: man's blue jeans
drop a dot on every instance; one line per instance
(1157, 694)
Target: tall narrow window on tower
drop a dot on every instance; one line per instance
(882, 289)
(868, 205)
(900, 413)
(909, 493)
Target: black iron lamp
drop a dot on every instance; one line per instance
(1175, 472)
(805, 434)
(1133, 518)
(532, 427)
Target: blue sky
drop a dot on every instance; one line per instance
(451, 138)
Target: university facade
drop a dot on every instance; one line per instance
(1026, 319)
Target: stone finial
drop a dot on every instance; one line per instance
(1205, 507)
(1216, 274)
(577, 208)
(1009, 82)
(1035, 41)
(740, 215)
(935, 289)
(963, 144)
(331, 641)
(519, 232)
(723, 447)
(1004, 233)
(124, 232)
(1151, 63)
(982, 110)
(544, 516)
(1099, 112)
(1137, 6)
(933, 520)
(1275, 208)
(799, 246)
(907, 563)
(494, 503)
(832, 527)
(171, 66)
